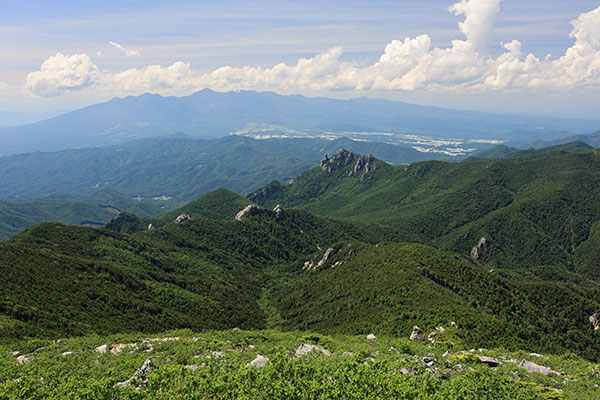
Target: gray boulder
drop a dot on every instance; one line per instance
(180, 219)
(142, 374)
(533, 367)
(416, 334)
(101, 349)
(259, 361)
(491, 361)
(306, 348)
(24, 359)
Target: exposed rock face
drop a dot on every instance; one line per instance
(594, 321)
(533, 367)
(24, 359)
(280, 214)
(141, 373)
(343, 158)
(306, 348)
(476, 251)
(328, 254)
(416, 334)
(150, 226)
(370, 336)
(259, 362)
(248, 210)
(491, 361)
(181, 218)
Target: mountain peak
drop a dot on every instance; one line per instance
(350, 162)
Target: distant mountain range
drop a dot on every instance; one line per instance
(210, 114)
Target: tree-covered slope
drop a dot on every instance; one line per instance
(387, 289)
(531, 211)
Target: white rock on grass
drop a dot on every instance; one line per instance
(259, 361)
(24, 359)
(306, 348)
(533, 367)
(370, 336)
(101, 349)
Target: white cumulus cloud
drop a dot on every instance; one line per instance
(405, 65)
(60, 74)
(128, 52)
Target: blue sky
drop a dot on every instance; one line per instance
(106, 49)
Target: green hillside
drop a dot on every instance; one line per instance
(531, 211)
(208, 364)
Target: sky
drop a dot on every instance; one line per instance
(507, 56)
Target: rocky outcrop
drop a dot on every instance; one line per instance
(330, 252)
(594, 321)
(280, 214)
(477, 250)
(259, 362)
(101, 349)
(181, 218)
(141, 374)
(24, 359)
(533, 367)
(352, 164)
(306, 348)
(370, 336)
(249, 210)
(491, 361)
(416, 334)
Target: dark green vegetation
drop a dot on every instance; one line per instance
(147, 177)
(506, 249)
(17, 215)
(536, 209)
(214, 365)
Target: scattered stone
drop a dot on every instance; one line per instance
(370, 336)
(118, 348)
(407, 371)
(416, 334)
(306, 348)
(428, 361)
(66, 353)
(217, 354)
(535, 355)
(594, 321)
(491, 361)
(251, 346)
(280, 214)
(452, 323)
(101, 349)
(182, 218)
(259, 361)
(15, 353)
(141, 374)
(348, 354)
(24, 359)
(533, 367)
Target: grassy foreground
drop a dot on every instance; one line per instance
(214, 364)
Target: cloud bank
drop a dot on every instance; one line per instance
(405, 65)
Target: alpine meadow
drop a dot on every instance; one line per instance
(300, 200)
